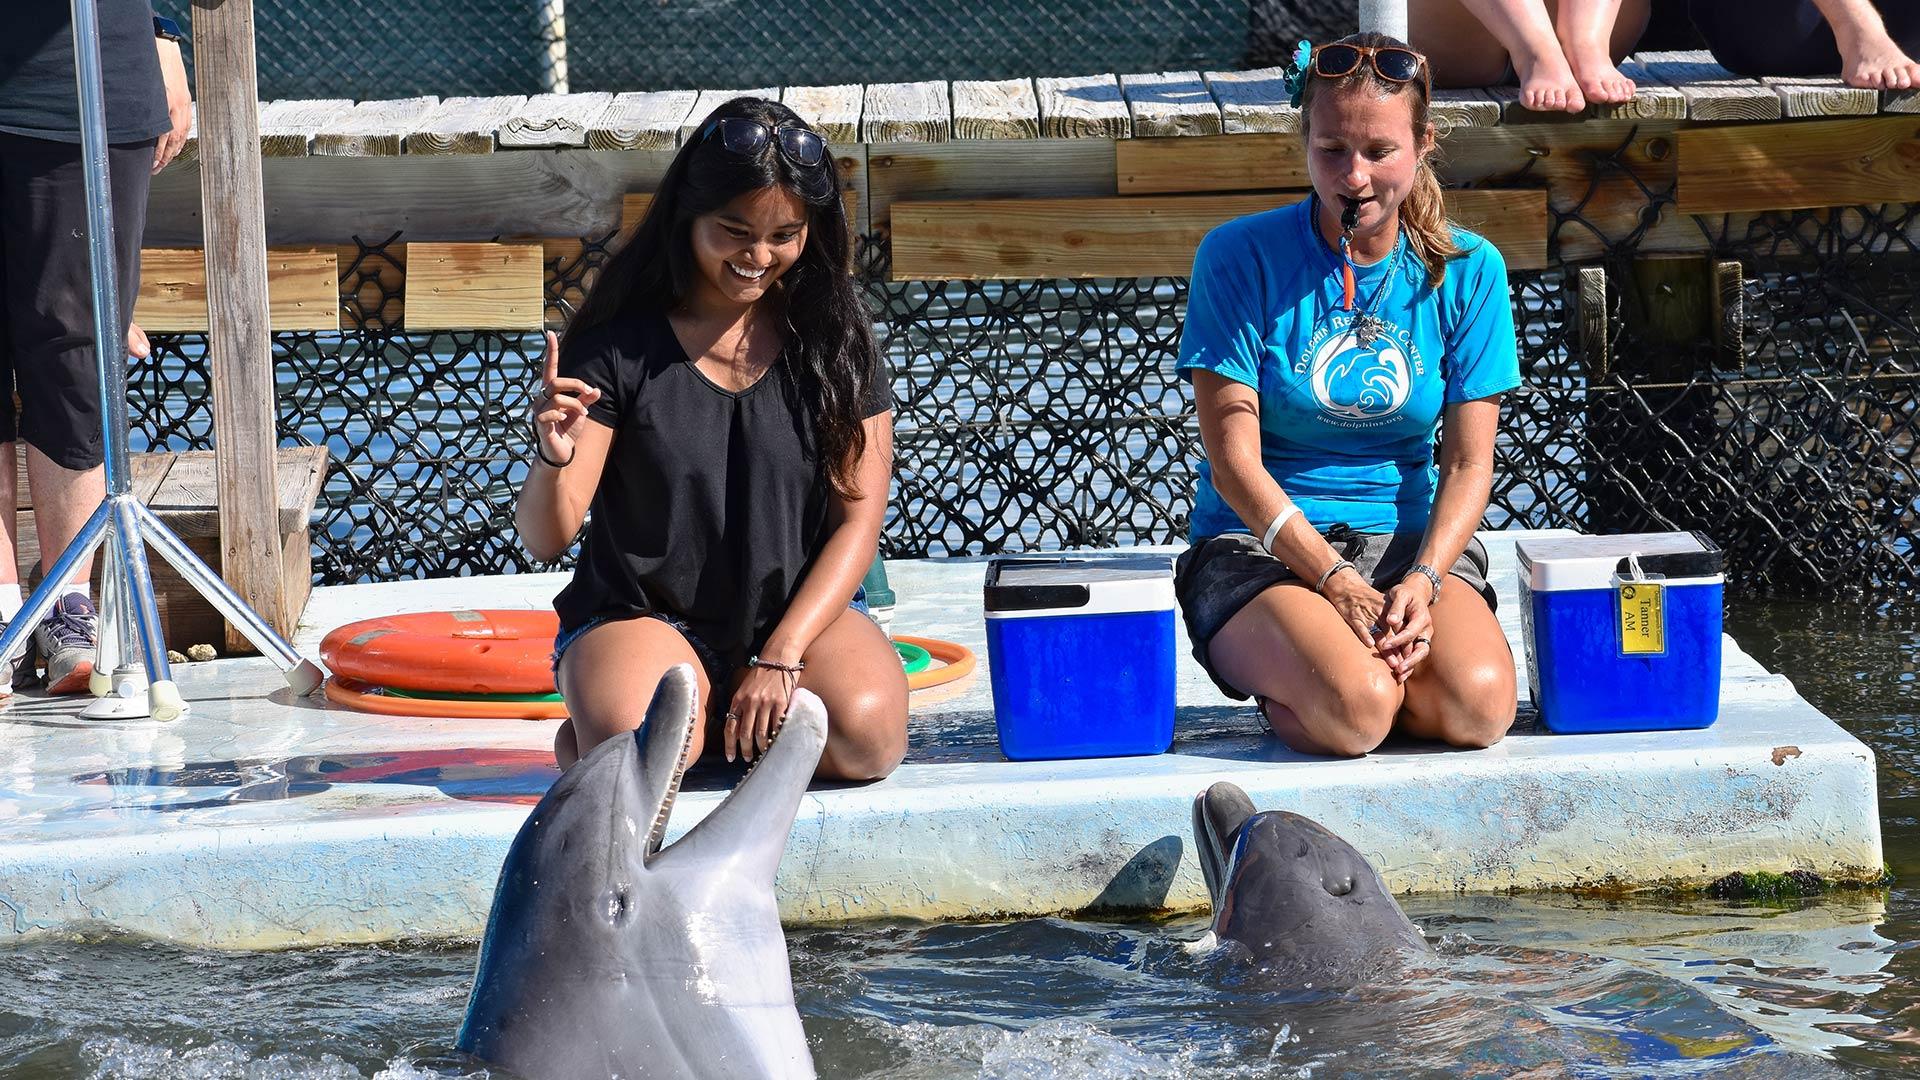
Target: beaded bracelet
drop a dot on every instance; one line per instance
(794, 668)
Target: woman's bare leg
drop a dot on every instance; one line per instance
(1596, 35)
(1869, 57)
(608, 677)
(857, 673)
(1464, 692)
(1470, 43)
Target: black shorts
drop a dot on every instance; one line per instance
(1218, 576)
(46, 290)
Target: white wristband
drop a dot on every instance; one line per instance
(1273, 530)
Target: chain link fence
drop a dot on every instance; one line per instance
(399, 48)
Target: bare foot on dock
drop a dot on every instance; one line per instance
(1547, 83)
(1875, 62)
(1585, 29)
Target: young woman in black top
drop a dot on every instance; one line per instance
(720, 405)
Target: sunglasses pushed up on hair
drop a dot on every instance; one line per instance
(747, 137)
(1393, 63)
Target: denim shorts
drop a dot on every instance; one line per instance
(1218, 576)
(709, 659)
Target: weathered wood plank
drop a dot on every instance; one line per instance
(996, 109)
(1652, 100)
(1711, 91)
(1900, 101)
(833, 110)
(462, 125)
(1138, 237)
(1464, 108)
(906, 112)
(474, 287)
(1253, 101)
(303, 290)
(185, 497)
(1797, 166)
(1171, 103)
(710, 100)
(326, 200)
(287, 127)
(1816, 97)
(553, 120)
(372, 128)
(994, 168)
(1216, 163)
(240, 347)
(647, 120)
(1082, 107)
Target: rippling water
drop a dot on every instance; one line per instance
(1522, 986)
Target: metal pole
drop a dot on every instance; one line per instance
(107, 324)
(1387, 17)
(552, 30)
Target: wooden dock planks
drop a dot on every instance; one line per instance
(371, 128)
(710, 100)
(1753, 167)
(1146, 236)
(833, 110)
(1082, 107)
(1253, 101)
(1216, 163)
(303, 290)
(545, 120)
(906, 112)
(462, 125)
(474, 287)
(996, 109)
(287, 127)
(648, 120)
(1711, 91)
(1171, 103)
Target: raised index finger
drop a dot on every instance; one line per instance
(552, 358)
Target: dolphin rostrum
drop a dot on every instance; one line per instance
(1297, 897)
(607, 955)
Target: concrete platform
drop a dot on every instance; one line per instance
(263, 820)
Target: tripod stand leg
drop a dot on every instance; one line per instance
(303, 675)
(14, 641)
(163, 697)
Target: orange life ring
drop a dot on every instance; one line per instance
(460, 652)
(957, 658)
(358, 695)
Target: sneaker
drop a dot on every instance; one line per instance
(65, 639)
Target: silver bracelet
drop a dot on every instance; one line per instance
(1433, 578)
(1343, 564)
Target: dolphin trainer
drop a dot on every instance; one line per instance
(1294, 895)
(609, 956)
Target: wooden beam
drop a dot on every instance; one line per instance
(906, 112)
(1253, 101)
(1896, 101)
(554, 120)
(1712, 92)
(1818, 97)
(1216, 163)
(1798, 166)
(1082, 107)
(1596, 324)
(642, 121)
(287, 127)
(303, 290)
(833, 110)
(1148, 236)
(462, 125)
(1464, 108)
(1171, 103)
(240, 346)
(372, 128)
(996, 109)
(994, 168)
(474, 287)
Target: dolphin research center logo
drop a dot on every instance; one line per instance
(1360, 386)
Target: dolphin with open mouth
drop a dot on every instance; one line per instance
(607, 955)
(1301, 900)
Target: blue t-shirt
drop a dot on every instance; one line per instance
(1348, 431)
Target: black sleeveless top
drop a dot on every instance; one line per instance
(712, 505)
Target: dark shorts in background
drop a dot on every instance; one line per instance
(1218, 576)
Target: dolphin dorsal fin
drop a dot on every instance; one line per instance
(664, 739)
(749, 828)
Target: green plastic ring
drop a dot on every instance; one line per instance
(422, 695)
(913, 657)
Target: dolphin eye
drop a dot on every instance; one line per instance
(1339, 885)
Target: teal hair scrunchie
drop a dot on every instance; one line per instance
(1295, 73)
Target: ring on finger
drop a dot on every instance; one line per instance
(1423, 641)
(731, 717)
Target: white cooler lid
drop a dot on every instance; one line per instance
(1026, 586)
(1591, 562)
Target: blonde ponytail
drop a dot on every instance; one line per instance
(1424, 218)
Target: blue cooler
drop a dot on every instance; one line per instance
(1081, 655)
(1623, 632)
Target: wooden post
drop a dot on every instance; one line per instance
(239, 341)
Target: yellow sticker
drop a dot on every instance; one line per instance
(1643, 622)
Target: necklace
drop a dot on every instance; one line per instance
(1366, 326)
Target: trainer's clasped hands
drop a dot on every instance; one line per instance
(559, 408)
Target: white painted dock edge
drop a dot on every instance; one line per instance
(205, 831)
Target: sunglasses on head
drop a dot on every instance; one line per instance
(746, 138)
(1390, 62)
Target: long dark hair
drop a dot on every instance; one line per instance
(830, 348)
(1424, 214)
